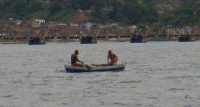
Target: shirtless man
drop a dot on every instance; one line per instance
(74, 59)
(112, 57)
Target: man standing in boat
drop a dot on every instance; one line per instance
(113, 58)
(74, 59)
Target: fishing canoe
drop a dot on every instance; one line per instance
(95, 68)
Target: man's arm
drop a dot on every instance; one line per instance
(116, 57)
(108, 59)
(79, 60)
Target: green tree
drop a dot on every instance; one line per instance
(55, 7)
(186, 14)
(99, 16)
(82, 4)
(34, 7)
(133, 12)
(149, 13)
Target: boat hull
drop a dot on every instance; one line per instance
(76, 69)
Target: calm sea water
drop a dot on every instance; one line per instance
(160, 74)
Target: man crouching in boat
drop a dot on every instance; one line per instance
(113, 58)
(74, 59)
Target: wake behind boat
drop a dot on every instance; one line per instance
(95, 67)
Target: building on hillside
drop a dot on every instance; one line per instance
(73, 25)
(97, 26)
(44, 26)
(51, 24)
(37, 22)
(111, 25)
(87, 25)
(18, 22)
(40, 20)
(4, 24)
(61, 25)
(26, 24)
(166, 5)
(131, 28)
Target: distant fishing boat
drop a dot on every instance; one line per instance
(95, 68)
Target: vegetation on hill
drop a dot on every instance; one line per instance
(102, 11)
(188, 14)
(125, 12)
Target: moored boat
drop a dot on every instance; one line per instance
(95, 67)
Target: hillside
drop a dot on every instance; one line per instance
(125, 12)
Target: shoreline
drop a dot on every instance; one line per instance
(77, 41)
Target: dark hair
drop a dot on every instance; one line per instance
(109, 51)
(76, 51)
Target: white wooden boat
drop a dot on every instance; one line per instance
(95, 67)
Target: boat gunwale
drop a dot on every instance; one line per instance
(95, 68)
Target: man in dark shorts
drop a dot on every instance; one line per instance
(113, 58)
(75, 60)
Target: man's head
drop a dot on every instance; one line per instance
(76, 52)
(109, 52)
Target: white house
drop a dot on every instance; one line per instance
(40, 20)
